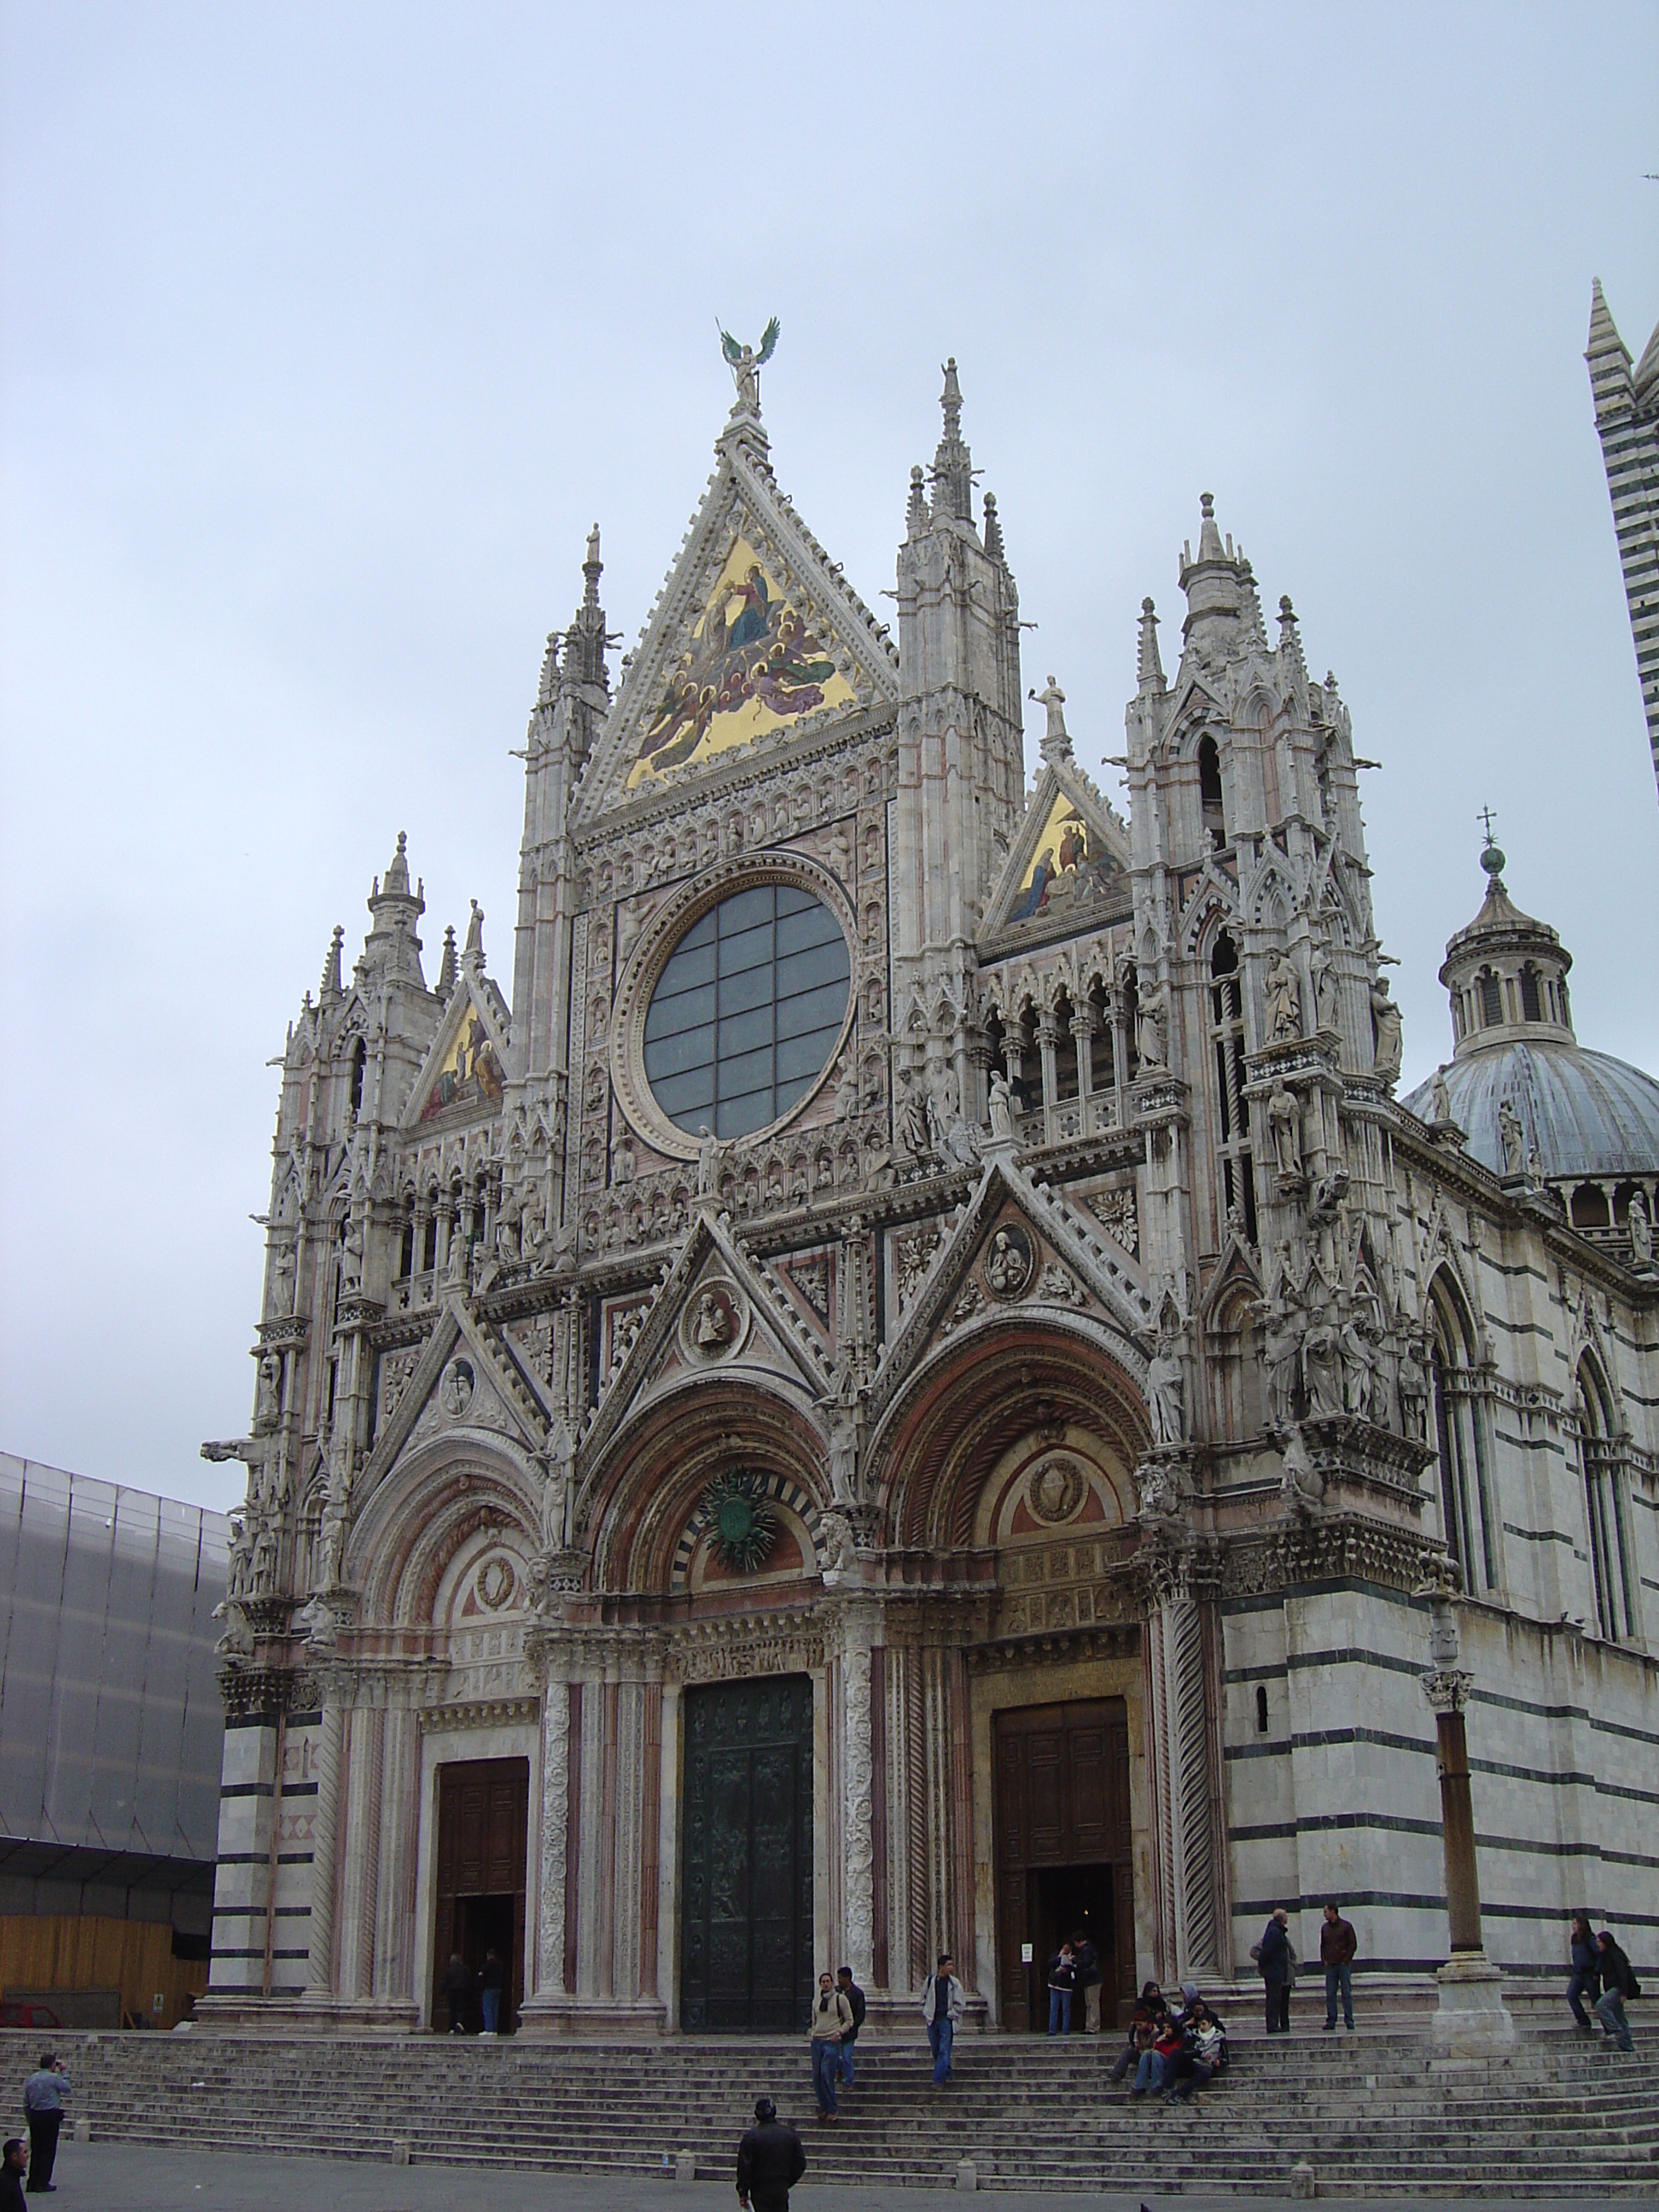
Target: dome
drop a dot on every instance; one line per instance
(1585, 1112)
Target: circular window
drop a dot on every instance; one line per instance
(747, 1011)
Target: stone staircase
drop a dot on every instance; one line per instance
(1370, 2113)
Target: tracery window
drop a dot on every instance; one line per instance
(1604, 1507)
(1233, 1120)
(1532, 1006)
(1460, 1441)
(748, 1011)
(1492, 1000)
(1212, 803)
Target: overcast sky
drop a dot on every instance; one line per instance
(328, 329)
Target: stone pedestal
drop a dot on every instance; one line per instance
(1472, 2020)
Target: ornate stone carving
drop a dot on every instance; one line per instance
(455, 1388)
(1060, 1287)
(1116, 1212)
(1054, 1491)
(1008, 1263)
(715, 1321)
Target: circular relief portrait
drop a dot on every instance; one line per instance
(715, 1321)
(496, 1583)
(455, 1387)
(1008, 1263)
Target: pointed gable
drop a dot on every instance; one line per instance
(1068, 869)
(465, 1071)
(754, 636)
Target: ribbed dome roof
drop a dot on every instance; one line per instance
(1587, 1112)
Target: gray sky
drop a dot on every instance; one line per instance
(329, 329)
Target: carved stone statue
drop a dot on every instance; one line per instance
(1283, 992)
(915, 1136)
(1151, 1026)
(1513, 1137)
(1160, 1492)
(1440, 1098)
(708, 1162)
(712, 1327)
(746, 363)
(1324, 983)
(1321, 1367)
(1281, 1349)
(1002, 1109)
(1009, 1265)
(351, 1259)
(840, 1554)
(237, 1640)
(455, 1388)
(1302, 1485)
(556, 1486)
(282, 1280)
(1385, 1023)
(1285, 1125)
(268, 1398)
(1166, 1389)
(1356, 1363)
(1414, 1395)
(1056, 738)
(508, 1249)
(1641, 1231)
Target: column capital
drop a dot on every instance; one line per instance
(1447, 1688)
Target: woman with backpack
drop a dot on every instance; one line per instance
(1618, 1982)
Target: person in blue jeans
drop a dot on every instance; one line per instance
(1062, 1982)
(1586, 1971)
(855, 1996)
(1618, 1982)
(492, 1978)
(1337, 1944)
(831, 2018)
(943, 2003)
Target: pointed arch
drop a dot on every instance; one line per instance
(1461, 1435)
(1612, 1551)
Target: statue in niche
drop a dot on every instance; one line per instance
(712, 1327)
(1285, 1126)
(915, 1136)
(1641, 1231)
(556, 1486)
(1512, 1137)
(262, 1574)
(281, 1281)
(1009, 1267)
(268, 1397)
(1324, 983)
(507, 1247)
(1356, 1358)
(1002, 1109)
(351, 1259)
(238, 1565)
(1283, 993)
(1166, 1390)
(1281, 1351)
(1385, 1024)
(1151, 1026)
(1322, 1365)
(1413, 1396)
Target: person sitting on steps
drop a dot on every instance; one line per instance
(1150, 2011)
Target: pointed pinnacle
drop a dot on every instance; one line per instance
(1149, 665)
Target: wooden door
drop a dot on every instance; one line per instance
(746, 1855)
(1062, 1800)
(484, 1807)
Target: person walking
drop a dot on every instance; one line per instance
(1337, 1944)
(1586, 1981)
(943, 2003)
(1618, 1982)
(771, 2160)
(1086, 1958)
(11, 2175)
(831, 2018)
(1062, 1982)
(457, 1989)
(43, 2108)
(492, 1979)
(855, 1996)
(1273, 1955)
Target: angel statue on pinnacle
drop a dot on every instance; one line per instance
(745, 364)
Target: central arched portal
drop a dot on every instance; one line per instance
(746, 1855)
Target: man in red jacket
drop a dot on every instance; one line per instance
(1337, 1944)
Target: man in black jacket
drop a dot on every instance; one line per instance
(770, 2160)
(11, 2176)
(1274, 1955)
(855, 1996)
(1617, 1983)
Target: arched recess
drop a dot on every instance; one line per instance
(1605, 1504)
(436, 1503)
(999, 1380)
(1237, 1400)
(637, 1504)
(1461, 1436)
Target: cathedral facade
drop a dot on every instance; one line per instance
(906, 1393)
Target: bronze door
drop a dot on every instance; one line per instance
(482, 1856)
(1064, 1850)
(746, 1855)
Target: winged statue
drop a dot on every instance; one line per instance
(745, 363)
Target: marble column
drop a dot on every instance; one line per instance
(1186, 1785)
(319, 1958)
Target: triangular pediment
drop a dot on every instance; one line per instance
(754, 639)
(1067, 868)
(464, 1074)
(462, 1379)
(717, 1310)
(1016, 1252)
